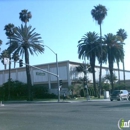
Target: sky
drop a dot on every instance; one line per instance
(62, 23)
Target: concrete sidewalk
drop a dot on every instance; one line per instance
(55, 101)
(93, 100)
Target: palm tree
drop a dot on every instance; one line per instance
(0, 44)
(108, 78)
(98, 13)
(9, 30)
(114, 52)
(122, 33)
(25, 16)
(15, 57)
(88, 47)
(118, 66)
(24, 42)
(85, 68)
(9, 33)
(4, 54)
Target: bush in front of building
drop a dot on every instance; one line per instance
(15, 90)
(106, 86)
(78, 90)
(91, 91)
(75, 90)
(18, 91)
(121, 86)
(41, 92)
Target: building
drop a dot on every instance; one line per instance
(67, 73)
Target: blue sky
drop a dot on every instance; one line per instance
(62, 23)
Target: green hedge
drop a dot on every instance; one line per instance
(19, 91)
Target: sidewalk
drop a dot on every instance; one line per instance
(92, 100)
(53, 101)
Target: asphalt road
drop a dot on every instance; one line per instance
(64, 116)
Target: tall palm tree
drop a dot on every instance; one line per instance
(9, 33)
(88, 47)
(99, 13)
(122, 33)
(24, 42)
(24, 15)
(10, 28)
(0, 44)
(114, 52)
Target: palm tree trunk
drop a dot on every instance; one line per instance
(118, 72)
(5, 66)
(29, 83)
(14, 64)
(94, 83)
(92, 63)
(9, 80)
(100, 73)
(123, 70)
(111, 76)
(9, 74)
(111, 68)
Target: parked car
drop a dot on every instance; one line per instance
(129, 96)
(119, 95)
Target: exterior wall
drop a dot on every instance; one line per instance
(38, 76)
(73, 73)
(67, 73)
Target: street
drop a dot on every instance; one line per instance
(64, 116)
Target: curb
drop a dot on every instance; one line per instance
(39, 102)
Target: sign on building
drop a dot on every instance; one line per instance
(40, 74)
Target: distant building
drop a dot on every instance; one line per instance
(67, 73)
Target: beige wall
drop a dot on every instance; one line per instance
(67, 73)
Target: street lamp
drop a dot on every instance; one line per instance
(57, 68)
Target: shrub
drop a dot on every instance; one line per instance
(120, 86)
(18, 90)
(91, 91)
(39, 91)
(106, 87)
